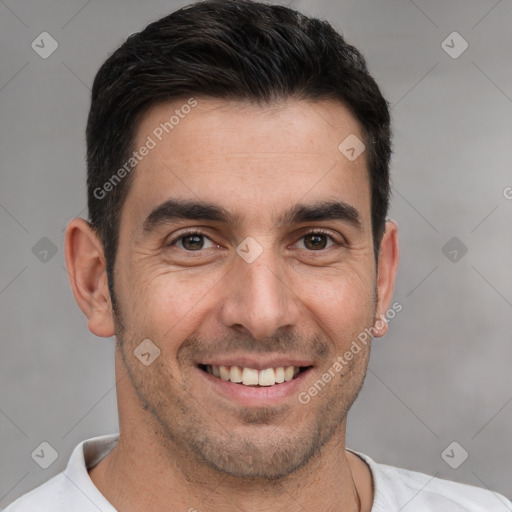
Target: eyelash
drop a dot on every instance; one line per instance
(191, 232)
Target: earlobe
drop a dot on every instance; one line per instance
(85, 264)
(387, 269)
(380, 326)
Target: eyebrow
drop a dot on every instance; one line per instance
(324, 210)
(180, 209)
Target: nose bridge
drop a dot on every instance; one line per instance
(258, 297)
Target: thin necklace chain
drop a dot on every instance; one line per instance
(357, 492)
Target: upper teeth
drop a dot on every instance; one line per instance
(253, 377)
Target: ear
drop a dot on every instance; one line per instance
(386, 275)
(86, 268)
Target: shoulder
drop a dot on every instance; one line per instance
(72, 489)
(45, 498)
(397, 488)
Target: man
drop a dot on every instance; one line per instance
(238, 249)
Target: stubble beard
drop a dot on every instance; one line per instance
(258, 448)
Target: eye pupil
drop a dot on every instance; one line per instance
(316, 240)
(195, 245)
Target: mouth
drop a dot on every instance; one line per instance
(252, 377)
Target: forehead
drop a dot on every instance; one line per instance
(253, 160)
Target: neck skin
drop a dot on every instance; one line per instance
(144, 459)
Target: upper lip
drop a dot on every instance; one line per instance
(260, 363)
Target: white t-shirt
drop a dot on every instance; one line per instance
(396, 490)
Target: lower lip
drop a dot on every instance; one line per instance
(257, 396)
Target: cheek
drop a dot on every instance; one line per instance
(166, 304)
(340, 308)
(341, 295)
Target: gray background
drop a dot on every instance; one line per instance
(442, 373)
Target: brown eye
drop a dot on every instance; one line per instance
(192, 242)
(317, 240)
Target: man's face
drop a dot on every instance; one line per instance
(290, 296)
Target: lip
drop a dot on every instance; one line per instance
(256, 396)
(259, 364)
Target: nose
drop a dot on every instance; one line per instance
(258, 297)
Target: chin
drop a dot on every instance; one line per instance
(258, 453)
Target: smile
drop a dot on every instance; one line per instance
(253, 377)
